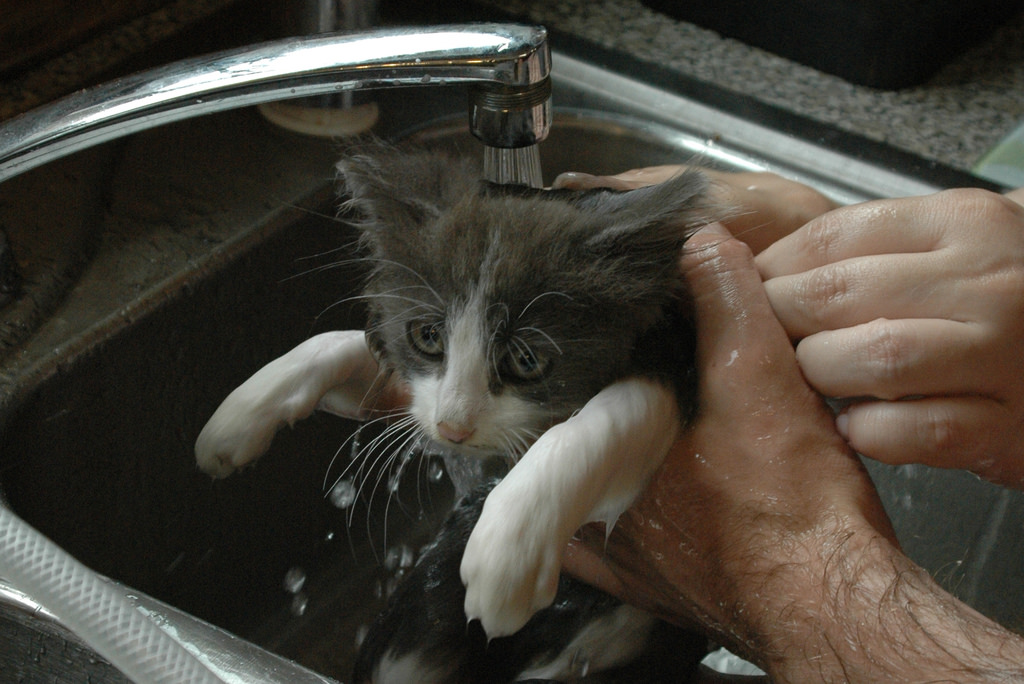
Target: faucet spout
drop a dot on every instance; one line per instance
(512, 61)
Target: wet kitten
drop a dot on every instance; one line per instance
(507, 311)
(423, 635)
(550, 328)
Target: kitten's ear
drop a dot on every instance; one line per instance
(388, 189)
(657, 216)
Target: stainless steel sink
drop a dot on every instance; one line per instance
(209, 248)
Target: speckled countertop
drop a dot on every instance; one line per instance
(965, 109)
(954, 118)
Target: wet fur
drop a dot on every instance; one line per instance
(588, 282)
(595, 272)
(585, 284)
(423, 636)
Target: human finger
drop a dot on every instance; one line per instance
(964, 432)
(757, 207)
(748, 370)
(894, 359)
(767, 206)
(760, 472)
(576, 180)
(952, 255)
(870, 228)
(858, 290)
(734, 313)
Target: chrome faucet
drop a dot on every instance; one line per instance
(343, 114)
(508, 64)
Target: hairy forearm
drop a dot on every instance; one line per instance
(876, 617)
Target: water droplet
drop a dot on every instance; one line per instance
(908, 471)
(294, 580)
(579, 664)
(391, 558)
(299, 604)
(343, 493)
(330, 536)
(357, 444)
(400, 556)
(435, 470)
(361, 633)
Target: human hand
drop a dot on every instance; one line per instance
(760, 487)
(760, 207)
(762, 527)
(914, 310)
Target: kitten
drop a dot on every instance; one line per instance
(507, 310)
(551, 328)
(423, 636)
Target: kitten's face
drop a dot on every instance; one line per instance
(482, 382)
(505, 311)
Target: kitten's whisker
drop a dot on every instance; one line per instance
(492, 357)
(503, 320)
(519, 444)
(382, 461)
(543, 334)
(416, 273)
(400, 450)
(554, 293)
(327, 490)
(324, 267)
(357, 458)
(521, 440)
(380, 381)
(370, 461)
(386, 441)
(401, 315)
(492, 347)
(373, 492)
(391, 294)
(522, 347)
(355, 298)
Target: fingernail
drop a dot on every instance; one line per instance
(843, 425)
(569, 178)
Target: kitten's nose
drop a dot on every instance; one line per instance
(454, 433)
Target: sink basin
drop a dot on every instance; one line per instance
(211, 249)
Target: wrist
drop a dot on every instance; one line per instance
(857, 610)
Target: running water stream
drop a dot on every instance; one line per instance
(515, 166)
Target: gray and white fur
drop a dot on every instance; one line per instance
(549, 328)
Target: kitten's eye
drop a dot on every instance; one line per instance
(427, 337)
(524, 364)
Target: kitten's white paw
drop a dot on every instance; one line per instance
(335, 368)
(511, 563)
(240, 431)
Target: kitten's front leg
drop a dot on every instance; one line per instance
(331, 371)
(589, 468)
